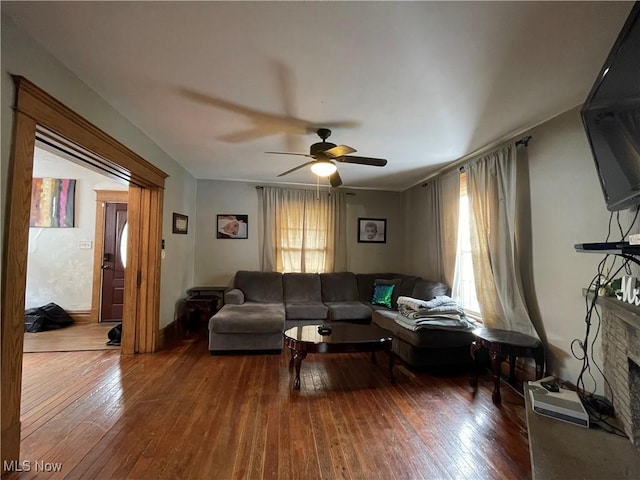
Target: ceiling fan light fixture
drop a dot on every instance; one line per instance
(323, 168)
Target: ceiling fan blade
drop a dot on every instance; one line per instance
(335, 179)
(291, 153)
(295, 168)
(339, 151)
(374, 162)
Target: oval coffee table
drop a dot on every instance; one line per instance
(344, 338)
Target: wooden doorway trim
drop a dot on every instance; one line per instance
(35, 110)
(102, 197)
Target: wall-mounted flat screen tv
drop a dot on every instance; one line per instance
(611, 117)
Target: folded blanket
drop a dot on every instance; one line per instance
(441, 322)
(409, 306)
(442, 312)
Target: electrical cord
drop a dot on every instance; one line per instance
(599, 410)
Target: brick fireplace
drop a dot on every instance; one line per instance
(621, 352)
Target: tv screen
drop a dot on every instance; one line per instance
(611, 117)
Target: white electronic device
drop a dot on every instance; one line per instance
(634, 239)
(562, 405)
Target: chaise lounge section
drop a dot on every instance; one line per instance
(253, 315)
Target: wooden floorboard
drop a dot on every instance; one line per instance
(184, 414)
(76, 337)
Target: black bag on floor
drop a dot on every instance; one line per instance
(47, 317)
(34, 320)
(115, 335)
(56, 315)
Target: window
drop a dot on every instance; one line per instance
(464, 287)
(300, 230)
(303, 244)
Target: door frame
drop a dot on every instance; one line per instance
(36, 111)
(102, 197)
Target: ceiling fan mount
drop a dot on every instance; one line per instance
(323, 133)
(329, 153)
(317, 149)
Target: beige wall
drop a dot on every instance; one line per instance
(567, 207)
(217, 260)
(375, 257)
(22, 56)
(417, 258)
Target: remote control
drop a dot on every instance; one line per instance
(551, 386)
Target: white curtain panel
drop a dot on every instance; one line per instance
(303, 230)
(441, 242)
(491, 182)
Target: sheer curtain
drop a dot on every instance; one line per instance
(443, 197)
(303, 231)
(491, 182)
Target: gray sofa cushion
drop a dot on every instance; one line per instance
(349, 311)
(303, 296)
(249, 317)
(301, 288)
(339, 287)
(263, 287)
(234, 297)
(426, 290)
(306, 311)
(405, 289)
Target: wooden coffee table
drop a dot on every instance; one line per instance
(344, 338)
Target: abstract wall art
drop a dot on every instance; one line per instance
(53, 203)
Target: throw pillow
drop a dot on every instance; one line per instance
(396, 282)
(382, 294)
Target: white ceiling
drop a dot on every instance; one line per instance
(216, 84)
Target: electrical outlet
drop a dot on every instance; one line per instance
(86, 244)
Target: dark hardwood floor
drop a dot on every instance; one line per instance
(184, 414)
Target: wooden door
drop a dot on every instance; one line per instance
(113, 262)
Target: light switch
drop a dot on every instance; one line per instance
(86, 244)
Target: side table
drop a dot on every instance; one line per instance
(202, 301)
(502, 344)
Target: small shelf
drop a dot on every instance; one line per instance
(621, 249)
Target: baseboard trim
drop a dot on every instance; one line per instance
(167, 334)
(80, 316)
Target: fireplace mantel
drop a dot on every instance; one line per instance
(627, 312)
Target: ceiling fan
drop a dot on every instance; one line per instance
(325, 154)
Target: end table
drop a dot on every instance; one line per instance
(202, 300)
(502, 344)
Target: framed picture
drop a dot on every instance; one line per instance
(53, 203)
(180, 223)
(232, 226)
(372, 230)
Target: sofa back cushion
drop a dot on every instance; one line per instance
(263, 287)
(301, 288)
(366, 281)
(405, 289)
(426, 289)
(339, 287)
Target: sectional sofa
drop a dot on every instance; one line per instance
(259, 306)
